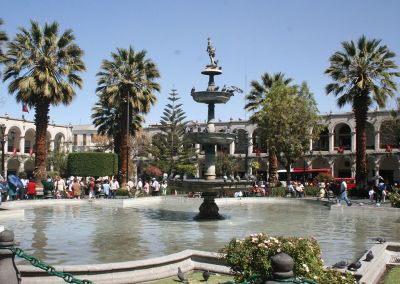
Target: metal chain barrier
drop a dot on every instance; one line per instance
(68, 277)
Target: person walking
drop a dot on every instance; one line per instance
(91, 187)
(164, 188)
(77, 189)
(343, 193)
(106, 189)
(59, 186)
(139, 188)
(156, 187)
(146, 188)
(31, 189)
(129, 187)
(114, 187)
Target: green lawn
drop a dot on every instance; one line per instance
(393, 277)
(197, 278)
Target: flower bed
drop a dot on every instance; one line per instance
(252, 255)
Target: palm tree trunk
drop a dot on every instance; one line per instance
(124, 154)
(272, 167)
(41, 122)
(360, 112)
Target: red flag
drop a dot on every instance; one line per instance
(30, 152)
(25, 108)
(14, 151)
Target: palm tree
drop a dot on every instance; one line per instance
(42, 67)
(107, 118)
(128, 83)
(362, 74)
(3, 39)
(258, 94)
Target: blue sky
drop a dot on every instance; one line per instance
(250, 37)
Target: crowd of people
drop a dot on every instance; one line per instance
(76, 187)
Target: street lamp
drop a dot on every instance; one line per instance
(127, 145)
(3, 141)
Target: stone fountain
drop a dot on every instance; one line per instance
(210, 186)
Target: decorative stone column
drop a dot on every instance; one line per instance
(51, 145)
(331, 162)
(232, 148)
(353, 167)
(377, 140)
(22, 144)
(209, 162)
(353, 142)
(8, 270)
(249, 144)
(331, 142)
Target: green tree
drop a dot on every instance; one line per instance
(258, 95)
(127, 82)
(363, 74)
(42, 67)
(107, 120)
(3, 39)
(172, 151)
(289, 120)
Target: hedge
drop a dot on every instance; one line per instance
(283, 192)
(92, 164)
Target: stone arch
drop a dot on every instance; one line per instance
(13, 137)
(259, 145)
(30, 136)
(387, 135)
(300, 163)
(13, 166)
(388, 168)
(342, 136)
(322, 143)
(241, 142)
(320, 163)
(59, 140)
(370, 133)
(342, 167)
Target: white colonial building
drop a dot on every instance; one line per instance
(335, 148)
(19, 143)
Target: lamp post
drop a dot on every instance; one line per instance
(3, 141)
(128, 140)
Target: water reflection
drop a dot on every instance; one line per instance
(77, 234)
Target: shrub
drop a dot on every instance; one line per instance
(278, 192)
(121, 192)
(312, 191)
(252, 255)
(282, 191)
(92, 164)
(187, 169)
(153, 171)
(395, 199)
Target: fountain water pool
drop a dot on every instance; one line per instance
(102, 231)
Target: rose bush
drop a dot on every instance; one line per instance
(252, 255)
(395, 199)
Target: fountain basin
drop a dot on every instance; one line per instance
(212, 97)
(144, 228)
(212, 138)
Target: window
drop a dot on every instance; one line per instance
(75, 139)
(84, 139)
